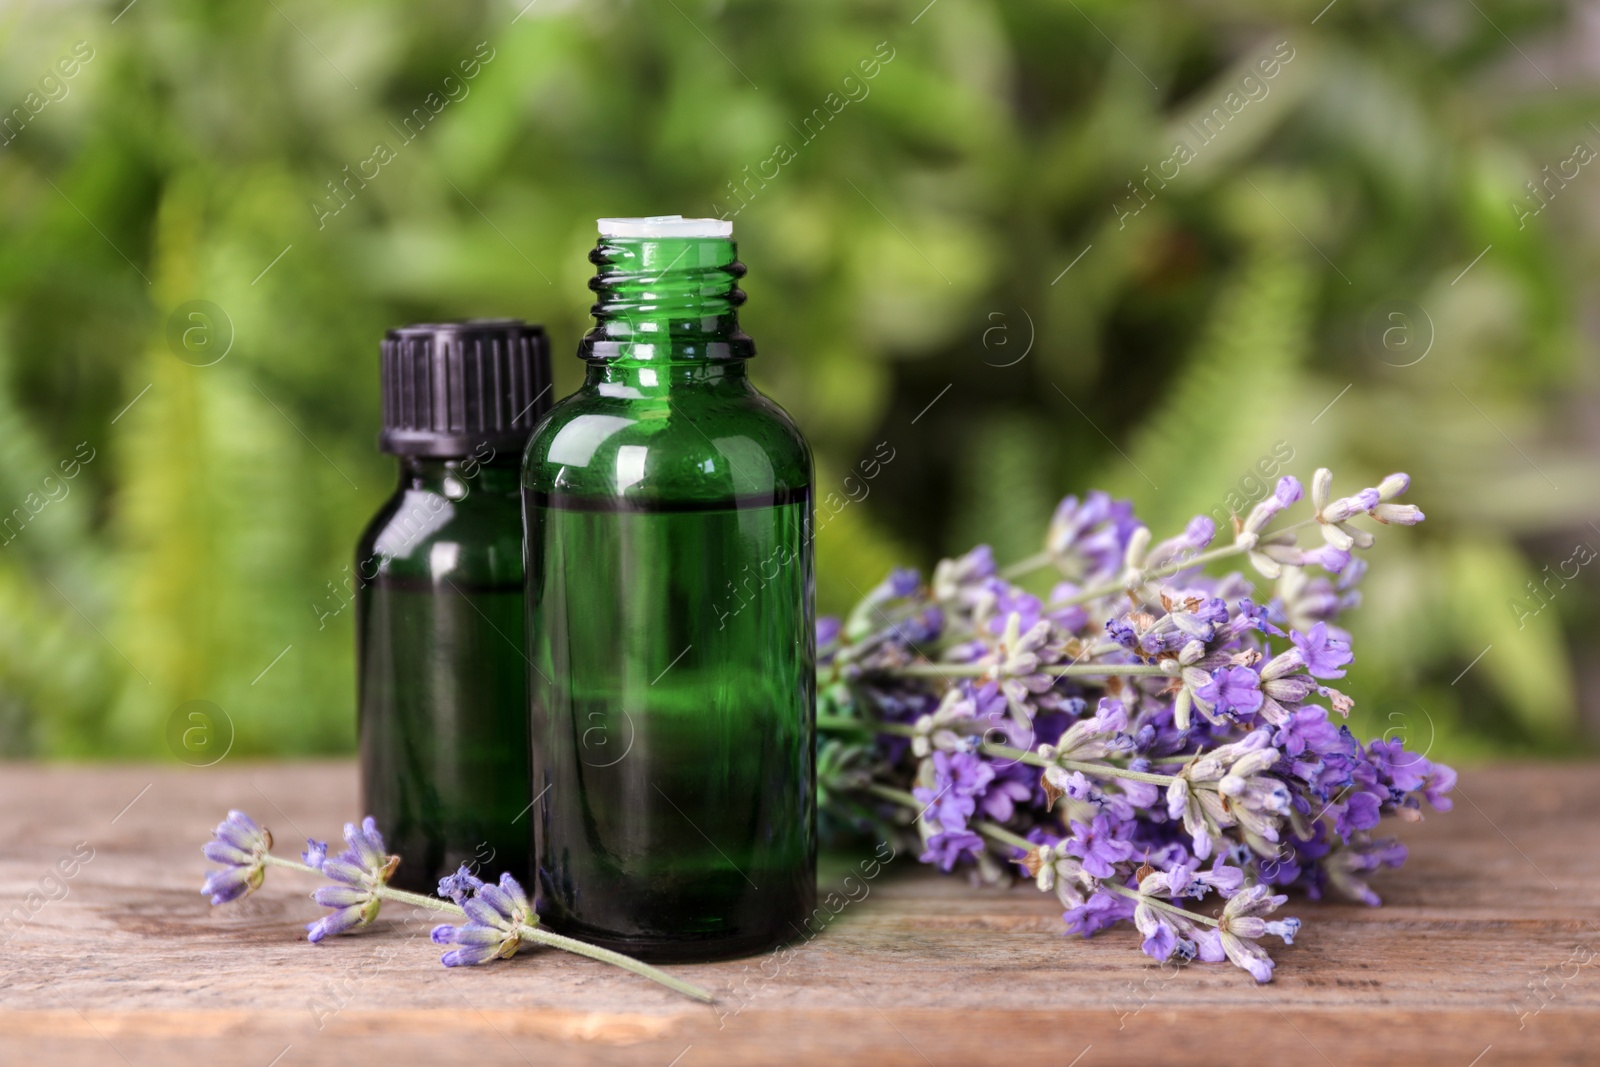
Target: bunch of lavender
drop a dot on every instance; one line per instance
(499, 919)
(1142, 738)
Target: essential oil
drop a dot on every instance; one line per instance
(442, 667)
(671, 644)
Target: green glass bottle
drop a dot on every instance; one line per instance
(442, 668)
(670, 611)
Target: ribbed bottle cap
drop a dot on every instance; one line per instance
(450, 387)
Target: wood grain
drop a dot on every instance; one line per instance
(1487, 952)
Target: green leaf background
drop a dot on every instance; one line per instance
(914, 247)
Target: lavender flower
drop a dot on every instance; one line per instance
(1101, 910)
(1014, 659)
(1054, 868)
(1325, 655)
(1436, 783)
(1335, 515)
(956, 579)
(1100, 845)
(460, 885)
(948, 847)
(1006, 793)
(1346, 868)
(901, 583)
(241, 846)
(1196, 795)
(499, 917)
(1287, 493)
(954, 784)
(1165, 718)
(1242, 925)
(948, 728)
(1195, 537)
(828, 629)
(1166, 930)
(1088, 540)
(1099, 735)
(359, 871)
(1232, 691)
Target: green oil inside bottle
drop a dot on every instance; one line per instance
(442, 759)
(674, 675)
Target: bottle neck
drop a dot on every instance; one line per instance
(632, 378)
(666, 301)
(456, 477)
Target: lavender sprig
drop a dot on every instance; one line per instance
(497, 915)
(1141, 719)
(500, 919)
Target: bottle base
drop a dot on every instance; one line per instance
(681, 949)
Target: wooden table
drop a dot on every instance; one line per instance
(1486, 953)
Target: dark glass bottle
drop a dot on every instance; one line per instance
(442, 670)
(668, 513)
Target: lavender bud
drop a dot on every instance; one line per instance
(1393, 486)
(1266, 566)
(1398, 514)
(1321, 488)
(1138, 545)
(1360, 537)
(1338, 536)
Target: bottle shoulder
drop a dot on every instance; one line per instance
(433, 536)
(699, 445)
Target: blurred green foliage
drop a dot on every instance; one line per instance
(962, 255)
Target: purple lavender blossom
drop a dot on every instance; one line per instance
(1440, 780)
(358, 872)
(1088, 540)
(902, 582)
(959, 779)
(1325, 655)
(1160, 936)
(459, 885)
(955, 580)
(1199, 616)
(948, 847)
(1101, 845)
(1101, 910)
(1122, 632)
(828, 627)
(1195, 537)
(1072, 617)
(1403, 771)
(1398, 514)
(1201, 747)
(499, 917)
(1333, 560)
(1012, 786)
(1232, 691)
(1242, 923)
(1008, 601)
(1251, 617)
(1308, 739)
(1358, 811)
(1347, 868)
(1286, 493)
(241, 847)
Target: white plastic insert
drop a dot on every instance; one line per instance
(666, 226)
